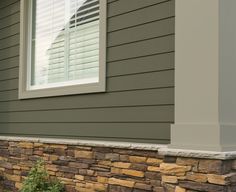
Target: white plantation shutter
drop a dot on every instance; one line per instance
(65, 42)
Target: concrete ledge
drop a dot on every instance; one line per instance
(91, 143)
(161, 149)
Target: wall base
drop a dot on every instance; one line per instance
(84, 168)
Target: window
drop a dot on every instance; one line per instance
(63, 47)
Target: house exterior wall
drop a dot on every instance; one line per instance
(138, 104)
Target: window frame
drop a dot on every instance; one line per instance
(25, 58)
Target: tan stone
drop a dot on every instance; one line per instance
(53, 157)
(173, 169)
(26, 145)
(169, 179)
(102, 179)
(197, 177)
(56, 146)
(18, 185)
(16, 178)
(99, 187)
(51, 167)
(180, 189)
(52, 173)
(133, 172)
(122, 165)
(84, 154)
(154, 161)
(116, 170)
(137, 159)
(79, 177)
(125, 183)
(66, 181)
(16, 167)
(16, 172)
(153, 168)
(38, 144)
(106, 163)
(218, 179)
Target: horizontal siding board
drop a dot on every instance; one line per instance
(9, 31)
(141, 81)
(122, 114)
(9, 10)
(11, 20)
(116, 99)
(141, 32)
(8, 84)
(9, 74)
(123, 6)
(138, 49)
(9, 52)
(10, 41)
(149, 14)
(4, 4)
(111, 1)
(8, 95)
(121, 130)
(141, 64)
(9, 63)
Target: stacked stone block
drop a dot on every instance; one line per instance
(91, 169)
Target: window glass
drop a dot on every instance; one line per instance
(64, 43)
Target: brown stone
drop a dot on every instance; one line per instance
(214, 166)
(169, 179)
(125, 183)
(197, 177)
(202, 186)
(78, 165)
(143, 186)
(152, 175)
(112, 156)
(169, 159)
(138, 166)
(158, 189)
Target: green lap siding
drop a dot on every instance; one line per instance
(138, 104)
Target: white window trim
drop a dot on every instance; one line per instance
(65, 89)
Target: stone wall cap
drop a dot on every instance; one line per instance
(162, 149)
(197, 153)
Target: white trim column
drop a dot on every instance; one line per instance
(205, 77)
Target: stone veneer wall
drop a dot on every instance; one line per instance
(85, 168)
